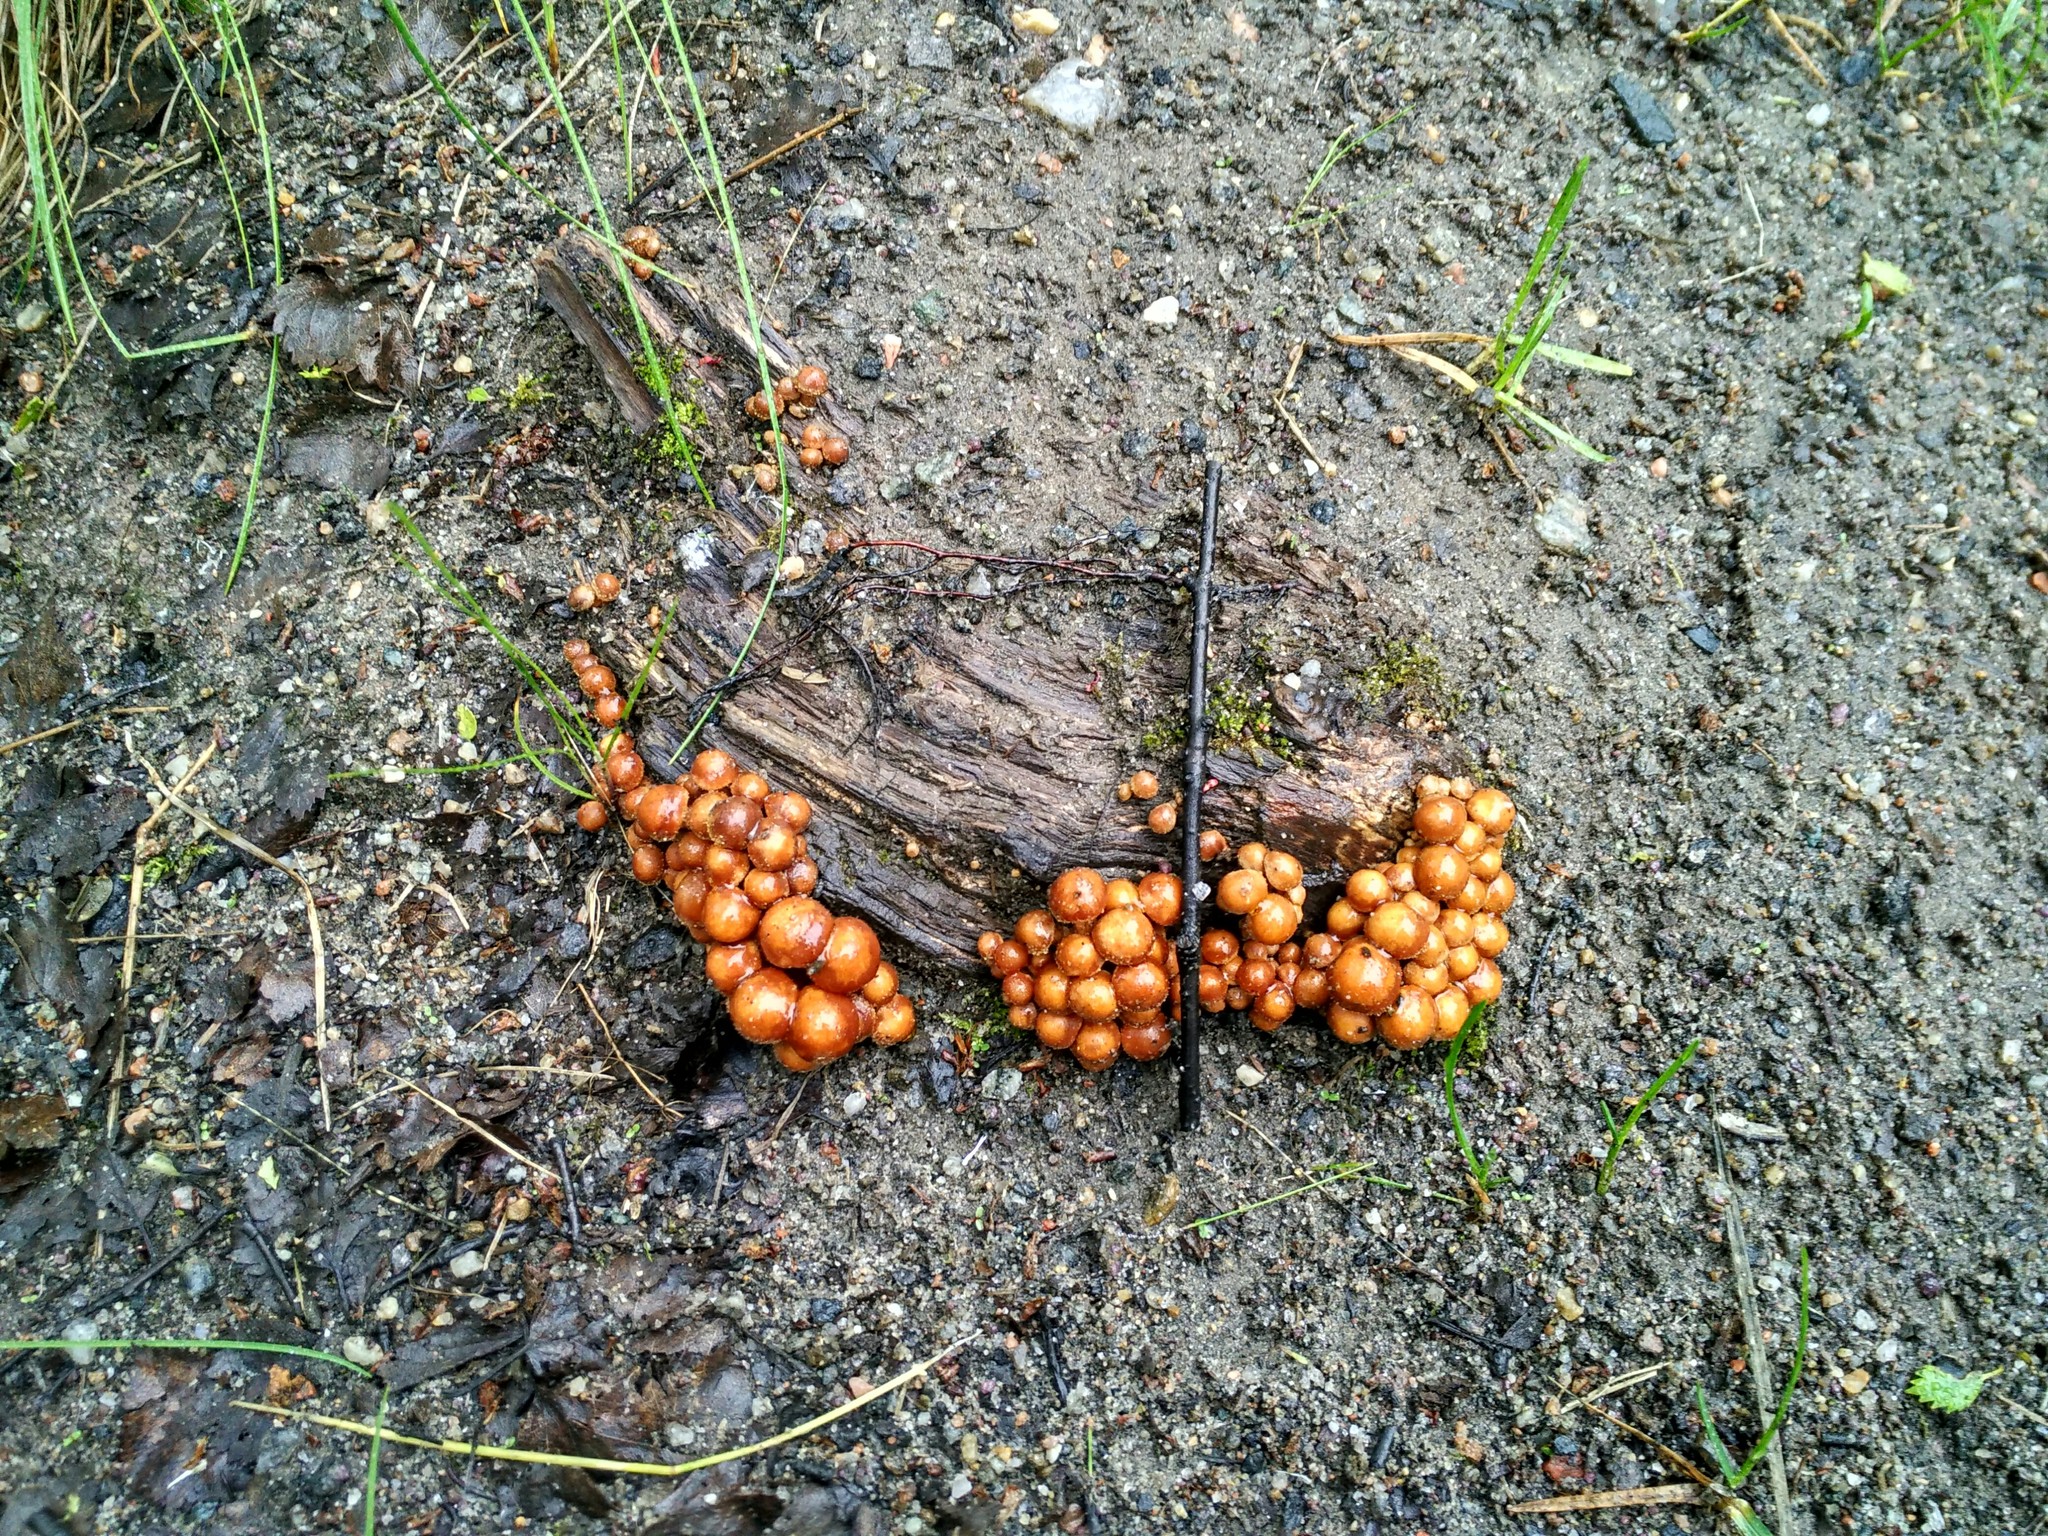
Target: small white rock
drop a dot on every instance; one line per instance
(84, 1328)
(463, 1265)
(1249, 1075)
(360, 1351)
(1035, 21)
(1818, 114)
(1162, 314)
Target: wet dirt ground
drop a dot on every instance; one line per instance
(1768, 688)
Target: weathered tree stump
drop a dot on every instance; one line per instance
(994, 753)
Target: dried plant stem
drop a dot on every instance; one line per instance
(1777, 24)
(1293, 426)
(668, 1111)
(312, 923)
(599, 1463)
(757, 162)
(474, 1127)
(1409, 339)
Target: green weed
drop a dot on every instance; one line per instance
(1495, 379)
(1946, 1392)
(1348, 142)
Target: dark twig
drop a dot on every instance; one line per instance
(1191, 819)
(1048, 1339)
(569, 1193)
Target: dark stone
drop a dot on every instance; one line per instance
(1704, 638)
(869, 367)
(1135, 444)
(927, 50)
(1892, 903)
(512, 980)
(1859, 68)
(1192, 438)
(657, 946)
(1323, 510)
(826, 1309)
(1640, 106)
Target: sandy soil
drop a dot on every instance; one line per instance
(1774, 712)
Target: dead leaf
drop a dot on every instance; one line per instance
(242, 1062)
(32, 1122)
(324, 326)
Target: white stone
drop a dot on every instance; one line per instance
(1162, 314)
(1818, 114)
(1074, 100)
(360, 1351)
(463, 1265)
(1249, 1075)
(1565, 525)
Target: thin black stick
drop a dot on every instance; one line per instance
(1191, 821)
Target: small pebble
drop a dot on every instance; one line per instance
(1249, 1075)
(82, 1328)
(463, 1265)
(1162, 314)
(854, 1104)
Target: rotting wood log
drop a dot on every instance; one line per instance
(995, 753)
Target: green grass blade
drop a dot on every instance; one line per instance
(1791, 1381)
(235, 55)
(370, 1474)
(255, 468)
(653, 655)
(1586, 360)
(254, 1346)
(1730, 1473)
(605, 237)
(722, 202)
(211, 127)
(1560, 211)
(38, 154)
(457, 595)
(1510, 380)
(1558, 434)
(650, 353)
(1481, 1171)
(582, 792)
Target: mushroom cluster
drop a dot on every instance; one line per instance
(797, 397)
(1404, 953)
(601, 591)
(1260, 969)
(1163, 817)
(731, 850)
(643, 245)
(1093, 970)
